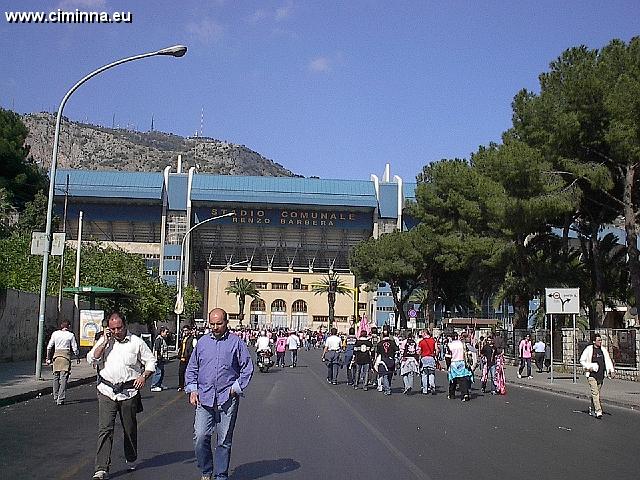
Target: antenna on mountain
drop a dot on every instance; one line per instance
(201, 120)
(113, 121)
(152, 123)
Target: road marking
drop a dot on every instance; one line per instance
(73, 473)
(376, 433)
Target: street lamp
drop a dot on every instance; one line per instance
(179, 308)
(174, 51)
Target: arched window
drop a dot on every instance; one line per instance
(258, 305)
(299, 306)
(279, 306)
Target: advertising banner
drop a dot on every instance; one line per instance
(90, 324)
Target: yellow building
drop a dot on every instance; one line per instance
(286, 299)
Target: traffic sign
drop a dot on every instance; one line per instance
(39, 243)
(562, 300)
(413, 313)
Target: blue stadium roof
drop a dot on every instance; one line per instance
(285, 190)
(110, 184)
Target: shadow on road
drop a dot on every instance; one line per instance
(159, 461)
(264, 468)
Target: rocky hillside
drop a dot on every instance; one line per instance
(98, 148)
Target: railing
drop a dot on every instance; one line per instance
(621, 345)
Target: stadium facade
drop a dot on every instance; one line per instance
(286, 234)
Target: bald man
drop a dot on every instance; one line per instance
(218, 372)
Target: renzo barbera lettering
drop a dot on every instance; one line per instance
(287, 217)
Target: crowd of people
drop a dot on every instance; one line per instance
(215, 368)
(372, 358)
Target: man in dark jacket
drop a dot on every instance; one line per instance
(187, 344)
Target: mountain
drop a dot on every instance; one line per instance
(94, 147)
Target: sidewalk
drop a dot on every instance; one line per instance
(622, 393)
(18, 382)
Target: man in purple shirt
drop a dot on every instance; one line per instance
(218, 372)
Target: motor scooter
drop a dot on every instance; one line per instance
(264, 360)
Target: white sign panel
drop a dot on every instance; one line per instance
(39, 243)
(562, 300)
(90, 324)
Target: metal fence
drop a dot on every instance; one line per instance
(511, 341)
(621, 344)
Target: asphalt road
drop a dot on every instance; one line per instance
(293, 424)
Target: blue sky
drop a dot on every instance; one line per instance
(333, 89)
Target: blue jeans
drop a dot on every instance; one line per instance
(222, 420)
(158, 375)
(294, 356)
(491, 377)
(428, 374)
(362, 374)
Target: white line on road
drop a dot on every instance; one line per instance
(376, 433)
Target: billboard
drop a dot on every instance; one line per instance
(90, 324)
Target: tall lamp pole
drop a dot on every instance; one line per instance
(179, 308)
(174, 51)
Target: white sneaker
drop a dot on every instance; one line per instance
(519, 376)
(100, 475)
(156, 389)
(530, 376)
(131, 466)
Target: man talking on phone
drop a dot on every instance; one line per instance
(125, 362)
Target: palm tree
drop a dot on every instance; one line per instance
(331, 284)
(242, 288)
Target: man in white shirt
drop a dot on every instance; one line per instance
(331, 355)
(538, 350)
(263, 342)
(293, 343)
(126, 362)
(59, 349)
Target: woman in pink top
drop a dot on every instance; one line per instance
(281, 348)
(525, 349)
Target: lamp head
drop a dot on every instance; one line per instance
(175, 51)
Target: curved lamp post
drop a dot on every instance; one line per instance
(175, 51)
(179, 307)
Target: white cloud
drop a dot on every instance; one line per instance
(258, 16)
(68, 5)
(206, 30)
(284, 12)
(320, 65)
(279, 14)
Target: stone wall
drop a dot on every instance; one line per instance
(567, 352)
(19, 322)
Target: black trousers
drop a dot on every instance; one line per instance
(182, 368)
(465, 384)
(107, 411)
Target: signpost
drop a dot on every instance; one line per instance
(563, 301)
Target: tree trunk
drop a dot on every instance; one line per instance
(631, 229)
(241, 312)
(521, 306)
(331, 298)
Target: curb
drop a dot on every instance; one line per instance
(21, 397)
(582, 396)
